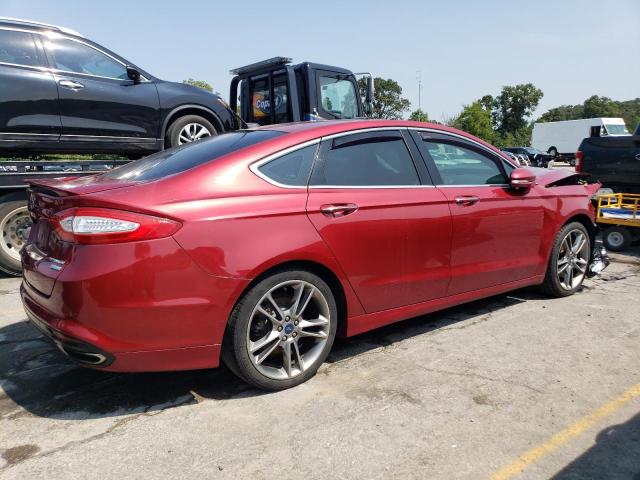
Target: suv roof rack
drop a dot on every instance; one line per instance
(275, 61)
(32, 23)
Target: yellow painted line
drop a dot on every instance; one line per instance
(562, 437)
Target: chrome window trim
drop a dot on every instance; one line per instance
(254, 167)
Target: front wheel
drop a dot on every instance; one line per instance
(15, 225)
(281, 331)
(568, 262)
(188, 129)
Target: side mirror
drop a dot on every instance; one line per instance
(522, 179)
(368, 97)
(133, 74)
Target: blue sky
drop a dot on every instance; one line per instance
(570, 49)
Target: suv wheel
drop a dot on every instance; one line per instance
(189, 128)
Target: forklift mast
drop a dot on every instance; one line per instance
(274, 91)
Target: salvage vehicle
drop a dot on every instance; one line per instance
(535, 156)
(258, 247)
(612, 160)
(62, 93)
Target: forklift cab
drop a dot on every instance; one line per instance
(274, 91)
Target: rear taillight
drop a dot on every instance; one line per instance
(103, 225)
(578, 161)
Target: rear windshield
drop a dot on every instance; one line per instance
(185, 157)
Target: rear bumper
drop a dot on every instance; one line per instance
(134, 307)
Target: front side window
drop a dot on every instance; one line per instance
(363, 160)
(17, 48)
(338, 97)
(458, 165)
(75, 57)
(291, 169)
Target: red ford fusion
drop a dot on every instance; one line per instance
(258, 247)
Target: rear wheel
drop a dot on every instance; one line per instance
(616, 238)
(189, 128)
(553, 151)
(15, 225)
(568, 262)
(281, 331)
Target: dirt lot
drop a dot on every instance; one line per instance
(513, 386)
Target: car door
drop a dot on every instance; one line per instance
(496, 231)
(28, 93)
(388, 227)
(97, 99)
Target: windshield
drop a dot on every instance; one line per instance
(533, 151)
(185, 157)
(616, 129)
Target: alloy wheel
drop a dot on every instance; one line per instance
(192, 132)
(573, 259)
(288, 329)
(15, 229)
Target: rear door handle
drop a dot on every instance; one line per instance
(467, 200)
(338, 209)
(73, 85)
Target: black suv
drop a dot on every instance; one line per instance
(60, 92)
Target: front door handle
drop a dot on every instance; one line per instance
(338, 209)
(637, 156)
(73, 85)
(467, 200)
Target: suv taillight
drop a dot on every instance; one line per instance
(578, 161)
(103, 225)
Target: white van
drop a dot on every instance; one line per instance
(563, 138)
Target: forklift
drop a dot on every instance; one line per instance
(274, 91)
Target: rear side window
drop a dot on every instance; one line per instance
(367, 159)
(18, 48)
(291, 169)
(458, 165)
(180, 159)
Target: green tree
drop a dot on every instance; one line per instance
(419, 116)
(563, 112)
(476, 120)
(387, 102)
(596, 106)
(199, 83)
(514, 106)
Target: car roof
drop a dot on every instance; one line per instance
(35, 26)
(313, 129)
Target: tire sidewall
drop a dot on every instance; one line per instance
(8, 264)
(626, 238)
(552, 282)
(235, 351)
(173, 131)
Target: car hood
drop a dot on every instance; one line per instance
(554, 178)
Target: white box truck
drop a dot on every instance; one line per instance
(563, 138)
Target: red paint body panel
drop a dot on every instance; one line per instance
(163, 304)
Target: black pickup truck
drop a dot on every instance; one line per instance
(613, 160)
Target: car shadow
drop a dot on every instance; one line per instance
(615, 455)
(38, 379)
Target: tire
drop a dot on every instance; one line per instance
(616, 238)
(14, 222)
(553, 151)
(268, 336)
(177, 128)
(557, 284)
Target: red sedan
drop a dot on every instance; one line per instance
(260, 246)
